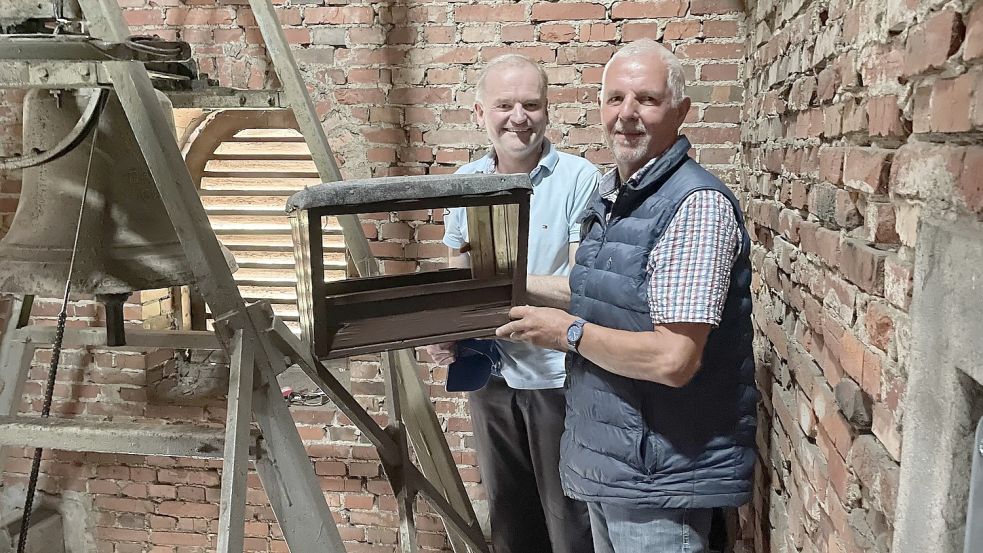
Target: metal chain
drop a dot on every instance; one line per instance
(49, 389)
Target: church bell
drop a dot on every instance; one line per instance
(126, 242)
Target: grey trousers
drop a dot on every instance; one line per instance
(518, 442)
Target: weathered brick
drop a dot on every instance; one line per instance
(646, 10)
(950, 104)
(566, 11)
(867, 169)
(863, 265)
(930, 43)
(970, 185)
(884, 117)
(490, 12)
(973, 46)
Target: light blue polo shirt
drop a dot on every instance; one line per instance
(561, 187)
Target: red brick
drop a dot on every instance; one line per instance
(973, 46)
(557, 33)
(543, 54)
(884, 116)
(719, 72)
(339, 16)
(863, 265)
(596, 32)
(566, 11)
(710, 7)
(930, 43)
(122, 534)
(635, 31)
(867, 169)
(831, 164)
(124, 504)
(880, 223)
(647, 10)
(680, 30)
(918, 168)
(141, 18)
(713, 51)
(950, 104)
(178, 538)
(970, 182)
(490, 12)
(518, 33)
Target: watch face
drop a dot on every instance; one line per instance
(573, 333)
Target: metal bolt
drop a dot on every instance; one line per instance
(84, 71)
(43, 73)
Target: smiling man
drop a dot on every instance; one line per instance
(518, 416)
(661, 400)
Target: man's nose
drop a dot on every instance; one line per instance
(518, 114)
(629, 109)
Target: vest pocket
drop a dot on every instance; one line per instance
(652, 452)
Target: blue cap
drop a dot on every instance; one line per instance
(475, 361)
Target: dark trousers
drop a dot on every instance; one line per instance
(518, 442)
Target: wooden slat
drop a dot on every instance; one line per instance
(482, 242)
(235, 461)
(395, 281)
(376, 334)
(178, 440)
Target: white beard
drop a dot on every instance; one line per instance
(624, 153)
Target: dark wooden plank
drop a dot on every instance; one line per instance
(261, 174)
(414, 187)
(421, 203)
(433, 292)
(339, 315)
(349, 286)
(522, 246)
(387, 333)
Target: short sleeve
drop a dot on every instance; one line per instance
(585, 188)
(454, 227)
(691, 263)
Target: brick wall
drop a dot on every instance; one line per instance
(393, 82)
(861, 118)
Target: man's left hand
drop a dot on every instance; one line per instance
(545, 327)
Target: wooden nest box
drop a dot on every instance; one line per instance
(379, 313)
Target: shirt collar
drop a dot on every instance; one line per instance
(546, 163)
(611, 182)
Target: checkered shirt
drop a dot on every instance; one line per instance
(689, 267)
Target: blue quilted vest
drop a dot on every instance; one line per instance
(636, 442)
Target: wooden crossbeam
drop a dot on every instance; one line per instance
(177, 440)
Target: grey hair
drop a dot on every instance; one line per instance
(675, 77)
(508, 60)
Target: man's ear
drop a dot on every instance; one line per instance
(683, 110)
(479, 114)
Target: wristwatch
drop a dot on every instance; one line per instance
(574, 333)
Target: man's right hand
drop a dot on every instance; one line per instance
(442, 353)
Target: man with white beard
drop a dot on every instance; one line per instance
(661, 397)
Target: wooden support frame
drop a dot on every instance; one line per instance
(382, 313)
(281, 460)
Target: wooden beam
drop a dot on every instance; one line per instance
(176, 440)
(135, 338)
(16, 355)
(335, 390)
(235, 460)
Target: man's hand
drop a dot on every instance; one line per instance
(442, 353)
(541, 326)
